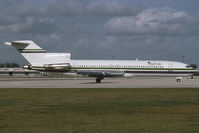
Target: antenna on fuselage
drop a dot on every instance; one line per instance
(183, 57)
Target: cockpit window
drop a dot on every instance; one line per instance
(188, 66)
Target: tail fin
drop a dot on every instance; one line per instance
(26, 46)
(37, 56)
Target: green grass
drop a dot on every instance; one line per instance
(99, 110)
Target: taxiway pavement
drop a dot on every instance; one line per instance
(155, 82)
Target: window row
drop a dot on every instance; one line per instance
(118, 66)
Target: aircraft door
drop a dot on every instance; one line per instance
(170, 66)
(74, 67)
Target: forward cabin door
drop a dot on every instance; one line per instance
(170, 66)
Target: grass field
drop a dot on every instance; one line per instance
(99, 110)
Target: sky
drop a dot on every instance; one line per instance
(103, 29)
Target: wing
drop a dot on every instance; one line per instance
(95, 73)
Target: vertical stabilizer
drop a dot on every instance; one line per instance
(37, 56)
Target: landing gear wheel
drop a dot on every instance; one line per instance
(178, 80)
(98, 80)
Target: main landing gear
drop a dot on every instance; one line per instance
(98, 79)
(178, 79)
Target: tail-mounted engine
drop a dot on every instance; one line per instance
(63, 67)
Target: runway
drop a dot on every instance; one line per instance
(155, 82)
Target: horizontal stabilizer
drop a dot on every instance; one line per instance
(26, 46)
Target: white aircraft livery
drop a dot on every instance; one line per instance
(41, 60)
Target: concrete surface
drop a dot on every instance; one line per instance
(163, 82)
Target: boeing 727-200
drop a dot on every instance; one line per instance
(41, 60)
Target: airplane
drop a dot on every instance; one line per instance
(41, 60)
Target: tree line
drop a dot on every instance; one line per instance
(9, 65)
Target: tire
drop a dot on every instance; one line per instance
(98, 80)
(178, 80)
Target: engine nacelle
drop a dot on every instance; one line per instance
(57, 67)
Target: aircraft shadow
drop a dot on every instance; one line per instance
(98, 83)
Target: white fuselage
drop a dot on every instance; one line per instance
(134, 67)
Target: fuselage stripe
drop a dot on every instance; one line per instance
(117, 68)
